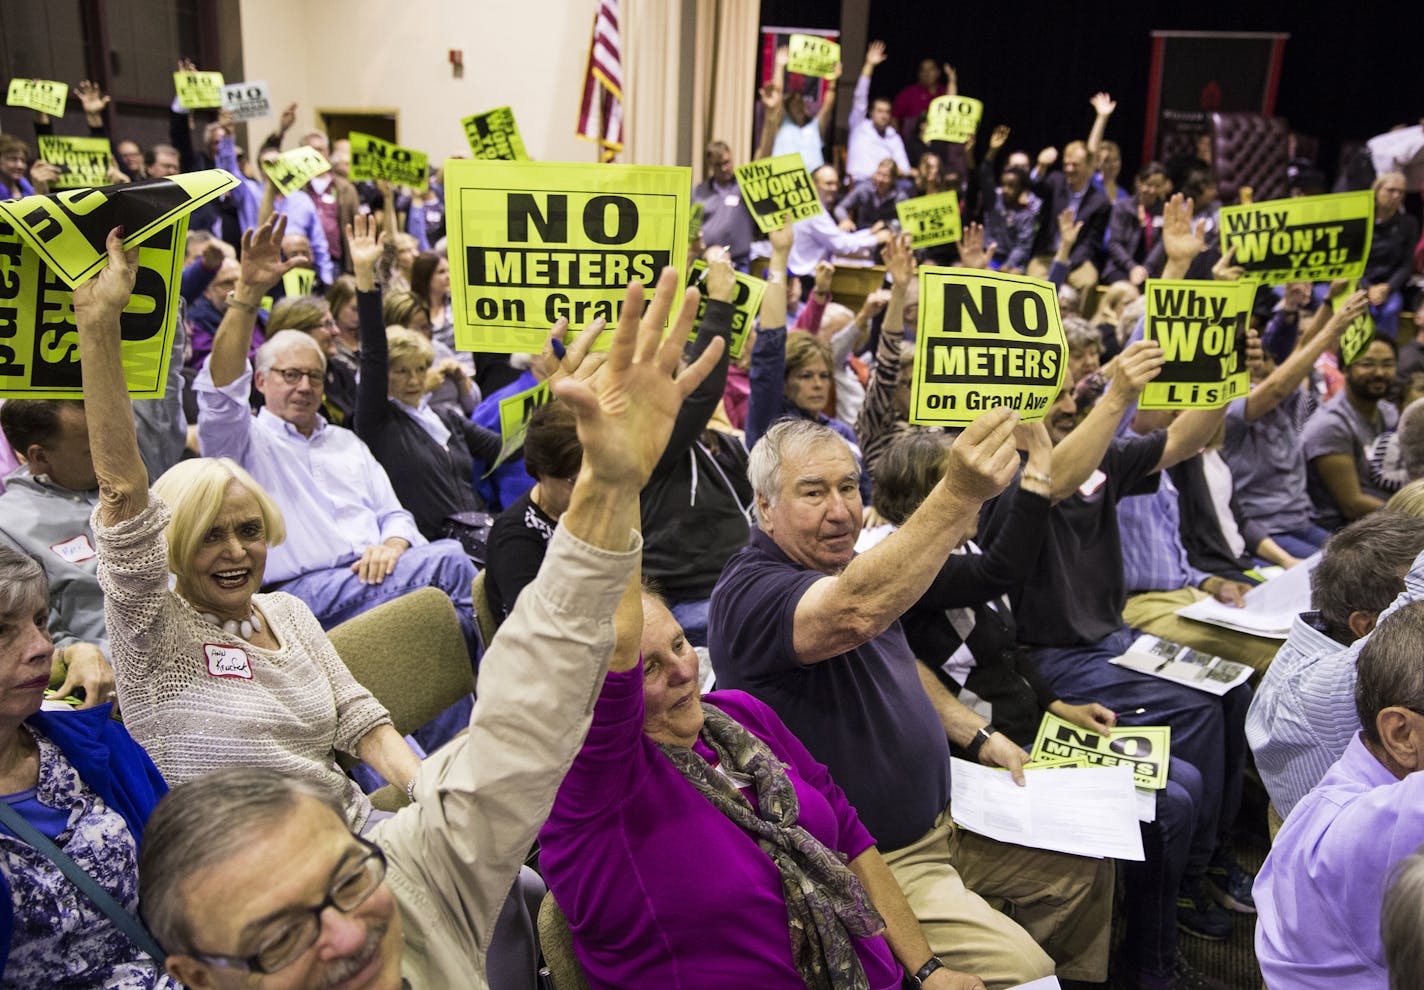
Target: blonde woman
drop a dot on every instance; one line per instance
(211, 672)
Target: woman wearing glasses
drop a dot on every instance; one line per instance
(210, 671)
(79, 781)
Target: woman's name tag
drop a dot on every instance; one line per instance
(227, 661)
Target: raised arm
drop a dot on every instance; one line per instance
(261, 268)
(1078, 454)
(1290, 373)
(842, 612)
(827, 114)
(1181, 241)
(768, 370)
(113, 442)
(1103, 107)
(372, 405)
(773, 112)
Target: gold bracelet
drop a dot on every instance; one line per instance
(1038, 476)
(239, 305)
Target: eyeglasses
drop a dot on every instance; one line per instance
(282, 947)
(293, 375)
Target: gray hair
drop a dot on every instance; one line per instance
(1360, 567)
(1390, 673)
(1081, 334)
(1402, 922)
(178, 839)
(1411, 439)
(789, 439)
(22, 581)
(283, 341)
(1133, 314)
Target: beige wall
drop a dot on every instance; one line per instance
(392, 55)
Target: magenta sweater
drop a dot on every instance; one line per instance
(660, 888)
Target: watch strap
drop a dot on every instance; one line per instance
(923, 973)
(980, 738)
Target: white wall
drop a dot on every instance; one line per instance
(393, 55)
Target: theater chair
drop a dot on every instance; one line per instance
(485, 618)
(561, 967)
(411, 654)
(1250, 149)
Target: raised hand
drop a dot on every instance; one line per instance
(91, 98)
(288, 118)
(1068, 228)
(983, 459)
(824, 274)
(1180, 239)
(1346, 313)
(1224, 270)
(574, 360)
(998, 138)
(771, 95)
(365, 244)
(781, 240)
(1103, 104)
(1136, 366)
(109, 291)
(721, 280)
(626, 425)
(1046, 158)
(973, 252)
(261, 255)
(875, 53)
(899, 259)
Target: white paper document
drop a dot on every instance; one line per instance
(1047, 983)
(1088, 811)
(1270, 608)
(1183, 665)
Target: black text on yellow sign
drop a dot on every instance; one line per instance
(778, 191)
(294, 169)
(198, 90)
(1307, 239)
(247, 100)
(536, 241)
(83, 162)
(1144, 748)
(494, 134)
(515, 411)
(39, 342)
(1361, 331)
(373, 160)
(1201, 327)
(930, 220)
(68, 229)
(986, 339)
(953, 119)
(298, 282)
(746, 302)
(44, 95)
(811, 55)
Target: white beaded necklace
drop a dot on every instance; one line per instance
(243, 629)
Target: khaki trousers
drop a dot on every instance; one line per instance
(1062, 903)
(1155, 612)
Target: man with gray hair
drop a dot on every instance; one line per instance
(812, 629)
(1410, 436)
(1319, 893)
(350, 545)
(1301, 718)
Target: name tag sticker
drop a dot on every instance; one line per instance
(1090, 487)
(227, 661)
(75, 550)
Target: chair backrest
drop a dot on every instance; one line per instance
(410, 653)
(1250, 149)
(485, 618)
(556, 942)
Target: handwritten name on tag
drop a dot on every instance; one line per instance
(75, 550)
(227, 661)
(1090, 487)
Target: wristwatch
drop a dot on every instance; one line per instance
(923, 973)
(980, 738)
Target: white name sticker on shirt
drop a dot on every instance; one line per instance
(731, 200)
(75, 550)
(227, 661)
(1091, 486)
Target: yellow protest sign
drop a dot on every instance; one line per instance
(699, 210)
(293, 169)
(1202, 329)
(298, 282)
(515, 411)
(746, 303)
(494, 134)
(373, 159)
(986, 339)
(68, 229)
(39, 342)
(810, 55)
(778, 191)
(536, 241)
(930, 220)
(198, 90)
(44, 95)
(1359, 333)
(1145, 748)
(953, 119)
(1306, 239)
(83, 162)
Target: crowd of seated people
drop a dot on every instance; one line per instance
(867, 597)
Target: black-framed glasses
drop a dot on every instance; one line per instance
(293, 375)
(282, 946)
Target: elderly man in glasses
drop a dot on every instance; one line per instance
(350, 545)
(250, 879)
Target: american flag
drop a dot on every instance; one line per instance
(601, 108)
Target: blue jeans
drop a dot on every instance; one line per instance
(1207, 732)
(337, 594)
(1301, 543)
(1387, 315)
(1150, 887)
(692, 616)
